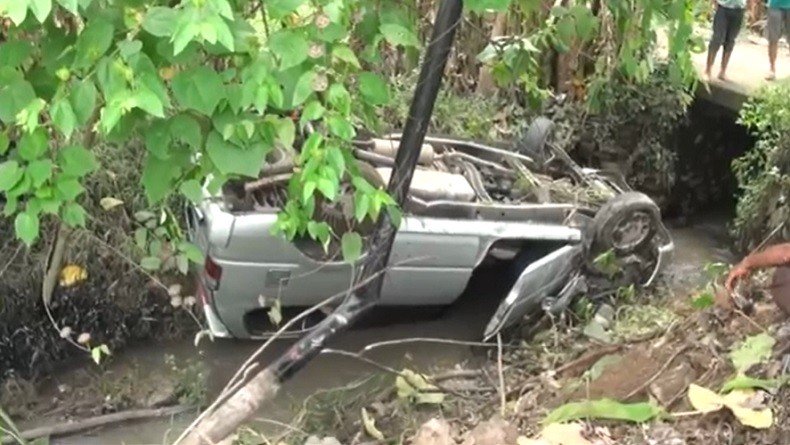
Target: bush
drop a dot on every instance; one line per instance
(763, 173)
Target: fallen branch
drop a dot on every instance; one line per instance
(54, 263)
(66, 428)
(586, 360)
(501, 374)
(267, 182)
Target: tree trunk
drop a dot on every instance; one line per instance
(485, 83)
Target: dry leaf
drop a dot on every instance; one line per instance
(109, 203)
(741, 402)
(564, 434)
(72, 274)
(370, 426)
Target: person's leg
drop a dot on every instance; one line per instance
(717, 39)
(734, 22)
(775, 25)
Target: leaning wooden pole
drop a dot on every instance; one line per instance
(243, 404)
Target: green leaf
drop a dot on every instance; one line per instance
(703, 300)
(395, 215)
(186, 28)
(486, 5)
(281, 8)
(290, 46)
(361, 206)
(186, 129)
(15, 9)
(28, 117)
(328, 188)
(4, 142)
(341, 128)
(286, 132)
(416, 389)
(303, 88)
(149, 102)
(10, 175)
(40, 9)
(351, 245)
(374, 90)
(151, 263)
(200, 89)
(192, 190)
(339, 98)
(15, 53)
(63, 117)
(92, 43)
(40, 172)
(75, 161)
(745, 382)
(346, 54)
(33, 145)
(753, 350)
(73, 215)
(604, 409)
(160, 21)
(397, 34)
(70, 5)
(83, 100)
(158, 178)
(26, 227)
(13, 98)
(229, 158)
(334, 156)
(311, 112)
(192, 252)
(69, 188)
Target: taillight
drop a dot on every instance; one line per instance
(213, 273)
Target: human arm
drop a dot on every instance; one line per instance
(773, 256)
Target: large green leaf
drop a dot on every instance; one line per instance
(281, 8)
(33, 145)
(158, 178)
(69, 188)
(13, 98)
(73, 215)
(40, 171)
(230, 158)
(76, 161)
(290, 46)
(200, 89)
(15, 52)
(752, 351)
(351, 245)
(26, 227)
(397, 34)
(160, 21)
(83, 100)
(10, 174)
(63, 116)
(40, 8)
(604, 409)
(15, 9)
(93, 42)
(70, 5)
(374, 90)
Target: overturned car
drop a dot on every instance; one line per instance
(563, 231)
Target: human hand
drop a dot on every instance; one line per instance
(737, 273)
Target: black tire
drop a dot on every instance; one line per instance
(533, 142)
(607, 226)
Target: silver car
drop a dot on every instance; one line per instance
(565, 230)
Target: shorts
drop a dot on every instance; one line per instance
(778, 24)
(780, 288)
(726, 26)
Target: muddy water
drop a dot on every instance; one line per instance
(697, 243)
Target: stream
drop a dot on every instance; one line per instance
(699, 241)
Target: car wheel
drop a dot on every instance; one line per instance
(533, 143)
(625, 224)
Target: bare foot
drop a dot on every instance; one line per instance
(771, 76)
(706, 76)
(723, 76)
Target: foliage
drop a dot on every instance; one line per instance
(752, 351)
(763, 172)
(738, 401)
(415, 388)
(604, 409)
(191, 381)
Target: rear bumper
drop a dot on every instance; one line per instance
(215, 325)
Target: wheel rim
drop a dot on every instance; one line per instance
(632, 231)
